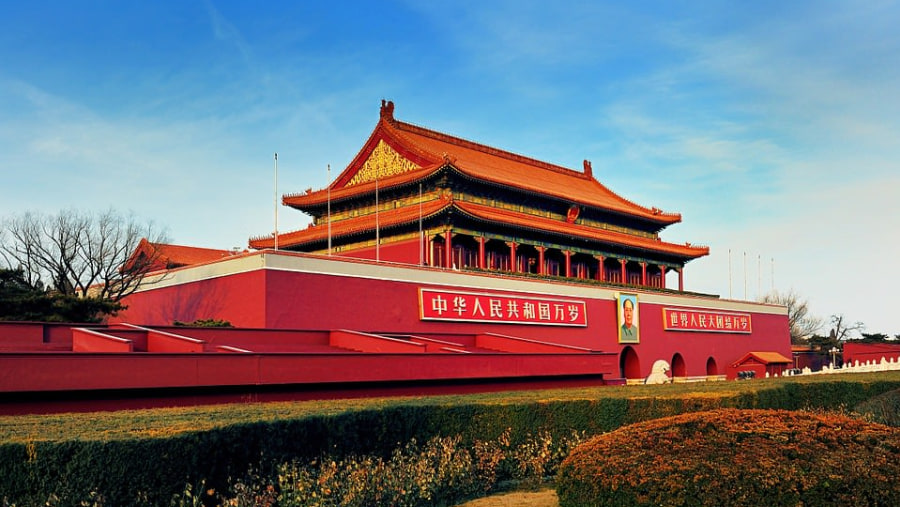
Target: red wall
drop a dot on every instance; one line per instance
(238, 298)
(404, 252)
(863, 352)
(313, 301)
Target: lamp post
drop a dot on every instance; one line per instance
(834, 351)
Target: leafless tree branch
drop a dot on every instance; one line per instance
(802, 324)
(79, 253)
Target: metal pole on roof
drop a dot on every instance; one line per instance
(276, 200)
(758, 276)
(377, 232)
(421, 235)
(729, 274)
(329, 209)
(745, 276)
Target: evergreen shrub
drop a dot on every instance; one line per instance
(884, 408)
(146, 457)
(736, 457)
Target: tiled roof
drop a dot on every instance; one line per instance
(410, 214)
(181, 255)
(350, 226)
(764, 357)
(433, 150)
(164, 255)
(524, 220)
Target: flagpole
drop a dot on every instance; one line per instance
(377, 232)
(421, 234)
(745, 276)
(276, 200)
(329, 209)
(729, 274)
(773, 274)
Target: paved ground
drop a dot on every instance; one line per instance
(541, 498)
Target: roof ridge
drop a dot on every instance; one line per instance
(434, 134)
(387, 117)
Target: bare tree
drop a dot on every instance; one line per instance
(842, 330)
(78, 253)
(802, 324)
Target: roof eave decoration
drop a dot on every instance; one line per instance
(385, 153)
(311, 198)
(486, 213)
(409, 214)
(352, 226)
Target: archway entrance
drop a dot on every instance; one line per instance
(711, 367)
(629, 365)
(678, 367)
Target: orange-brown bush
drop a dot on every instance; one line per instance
(737, 457)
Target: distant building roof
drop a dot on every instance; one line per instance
(762, 358)
(166, 256)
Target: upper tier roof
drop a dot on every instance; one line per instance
(419, 152)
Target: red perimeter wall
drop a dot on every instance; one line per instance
(239, 298)
(863, 352)
(316, 301)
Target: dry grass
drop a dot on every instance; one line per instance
(542, 498)
(127, 424)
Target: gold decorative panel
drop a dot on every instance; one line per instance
(383, 162)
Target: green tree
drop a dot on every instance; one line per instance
(20, 301)
(874, 337)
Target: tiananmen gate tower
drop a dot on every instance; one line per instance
(432, 264)
(417, 196)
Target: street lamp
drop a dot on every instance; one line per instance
(834, 351)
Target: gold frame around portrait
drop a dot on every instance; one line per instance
(621, 298)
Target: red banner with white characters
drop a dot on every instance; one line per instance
(500, 308)
(682, 319)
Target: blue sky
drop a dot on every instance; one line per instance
(773, 127)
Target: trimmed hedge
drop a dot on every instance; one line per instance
(736, 457)
(146, 457)
(884, 408)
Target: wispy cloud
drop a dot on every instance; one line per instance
(225, 31)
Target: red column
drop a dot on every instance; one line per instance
(601, 270)
(423, 249)
(568, 255)
(662, 275)
(481, 241)
(623, 262)
(540, 250)
(430, 259)
(644, 274)
(512, 256)
(448, 249)
(680, 279)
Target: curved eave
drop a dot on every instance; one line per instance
(544, 225)
(631, 210)
(351, 226)
(320, 197)
(431, 150)
(384, 131)
(653, 221)
(516, 171)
